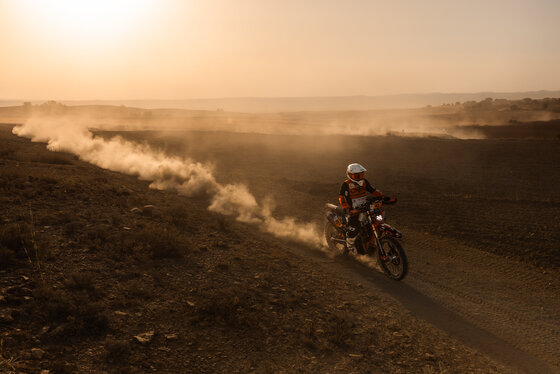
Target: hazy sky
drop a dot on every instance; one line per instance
(174, 49)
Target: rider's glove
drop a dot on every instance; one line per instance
(389, 200)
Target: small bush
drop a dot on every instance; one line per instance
(223, 224)
(136, 288)
(53, 158)
(9, 153)
(17, 237)
(116, 219)
(116, 350)
(53, 305)
(229, 309)
(340, 330)
(162, 243)
(178, 215)
(72, 228)
(81, 281)
(80, 316)
(7, 256)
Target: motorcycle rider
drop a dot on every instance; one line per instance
(352, 197)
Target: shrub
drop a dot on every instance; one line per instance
(7, 256)
(54, 158)
(116, 350)
(162, 243)
(230, 309)
(17, 237)
(340, 330)
(9, 153)
(72, 228)
(81, 316)
(178, 215)
(81, 281)
(135, 288)
(116, 219)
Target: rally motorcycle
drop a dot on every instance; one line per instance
(375, 237)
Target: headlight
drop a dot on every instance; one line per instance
(379, 218)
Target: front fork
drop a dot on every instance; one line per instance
(378, 242)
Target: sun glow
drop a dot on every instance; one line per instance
(87, 21)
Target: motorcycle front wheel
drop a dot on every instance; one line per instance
(334, 236)
(395, 264)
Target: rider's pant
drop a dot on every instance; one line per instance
(353, 224)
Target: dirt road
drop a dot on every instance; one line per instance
(488, 303)
(464, 211)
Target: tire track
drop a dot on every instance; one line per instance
(513, 301)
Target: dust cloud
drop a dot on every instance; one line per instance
(183, 175)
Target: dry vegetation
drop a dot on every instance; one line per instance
(90, 285)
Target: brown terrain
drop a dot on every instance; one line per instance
(90, 284)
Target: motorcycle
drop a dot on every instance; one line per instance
(375, 237)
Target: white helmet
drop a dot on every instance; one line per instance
(356, 173)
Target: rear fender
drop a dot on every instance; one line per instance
(390, 230)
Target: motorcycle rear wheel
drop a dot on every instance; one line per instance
(331, 232)
(395, 265)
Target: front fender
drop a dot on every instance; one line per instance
(390, 230)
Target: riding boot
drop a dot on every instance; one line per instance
(351, 243)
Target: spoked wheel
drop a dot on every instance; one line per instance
(335, 238)
(395, 265)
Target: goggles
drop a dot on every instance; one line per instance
(357, 176)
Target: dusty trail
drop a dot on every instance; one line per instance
(496, 306)
(515, 302)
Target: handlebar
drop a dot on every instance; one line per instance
(385, 199)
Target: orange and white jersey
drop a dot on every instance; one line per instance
(353, 195)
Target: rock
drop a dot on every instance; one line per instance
(135, 211)
(430, 356)
(119, 313)
(190, 303)
(37, 353)
(145, 338)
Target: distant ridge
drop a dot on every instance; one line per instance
(295, 104)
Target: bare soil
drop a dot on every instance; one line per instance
(82, 274)
(481, 218)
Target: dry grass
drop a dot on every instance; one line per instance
(116, 350)
(162, 243)
(16, 239)
(73, 311)
(54, 158)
